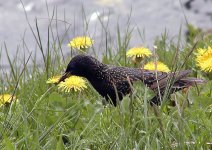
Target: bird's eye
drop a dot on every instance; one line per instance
(71, 66)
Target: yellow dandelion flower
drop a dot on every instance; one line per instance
(159, 66)
(204, 59)
(139, 52)
(73, 82)
(81, 42)
(54, 79)
(5, 98)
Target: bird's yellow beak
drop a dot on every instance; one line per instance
(64, 76)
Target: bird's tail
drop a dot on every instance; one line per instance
(187, 82)
(192, 81)
(177, 86)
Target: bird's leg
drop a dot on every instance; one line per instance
(131, 107)
(186, 93)
(131, 95)
(117, 100)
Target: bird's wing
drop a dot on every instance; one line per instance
(120, 74)
(152, 79)
(167, 79)
(135, 74)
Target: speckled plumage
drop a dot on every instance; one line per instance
(115, 82)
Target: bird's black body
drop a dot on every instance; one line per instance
(115, 82)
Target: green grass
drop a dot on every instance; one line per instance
(45, 118)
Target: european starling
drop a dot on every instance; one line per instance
(115, 82)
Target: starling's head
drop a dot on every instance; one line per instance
(81, 65)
